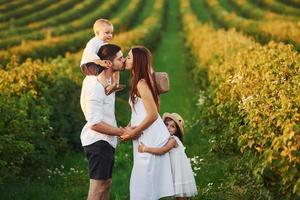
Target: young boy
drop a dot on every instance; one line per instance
(91, 64)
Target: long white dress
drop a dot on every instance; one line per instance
(183, 176)
(151, 176)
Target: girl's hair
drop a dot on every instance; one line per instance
(142, 69)
(178, 132)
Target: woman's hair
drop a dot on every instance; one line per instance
(142, 69)
(178, 132)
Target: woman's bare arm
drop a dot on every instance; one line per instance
(150, 107)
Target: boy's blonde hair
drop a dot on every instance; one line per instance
(99, 23)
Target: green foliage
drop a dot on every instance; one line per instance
(252, 102)
(34, 125)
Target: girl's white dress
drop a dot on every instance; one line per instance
(183, 176)
(151, 176)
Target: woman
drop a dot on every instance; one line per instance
(151, 176)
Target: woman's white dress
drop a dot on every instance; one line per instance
(183, 176)
(151, 176)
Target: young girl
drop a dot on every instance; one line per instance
(183, 178)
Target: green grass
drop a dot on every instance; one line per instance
(172, 56)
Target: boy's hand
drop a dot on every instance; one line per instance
(104, 63)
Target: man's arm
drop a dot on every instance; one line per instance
(158, 150)
(107, 129)
(94, 109)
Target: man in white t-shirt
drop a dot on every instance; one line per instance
(100, 134)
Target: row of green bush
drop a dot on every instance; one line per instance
(248, 9)
(76, 26)
(47, 12)
(54, 46)
(40, 114)
(7, 5)
(24, 10)
(264, 31)
(9, 29)
(252, 105)
(279, 7)
(292, 2)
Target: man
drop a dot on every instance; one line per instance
(99, 135)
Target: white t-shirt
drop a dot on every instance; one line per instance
(91, 49)
(97, 107)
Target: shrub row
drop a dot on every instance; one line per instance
(251, 10)
(264, 31)
(278, 7)
(54, 46)
(79, 25)
(254, 101)
(24, 10)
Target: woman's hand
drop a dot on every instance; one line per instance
(129, 133)
(125, 137)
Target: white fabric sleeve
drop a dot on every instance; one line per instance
(92, 51)
(94, 106)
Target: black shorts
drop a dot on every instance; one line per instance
(91, 68)
(101, 158)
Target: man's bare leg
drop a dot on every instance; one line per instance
(97, 189)
(105, 195)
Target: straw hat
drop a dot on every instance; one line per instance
(177, 119)
(162, 82)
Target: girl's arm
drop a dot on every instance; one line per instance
(151, 110)
(158, 150)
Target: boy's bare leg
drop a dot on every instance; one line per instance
(115, 86)
(117, 77)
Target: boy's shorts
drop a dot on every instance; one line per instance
(101, 158)
(91, 68)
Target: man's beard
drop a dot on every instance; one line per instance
(121, 69)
